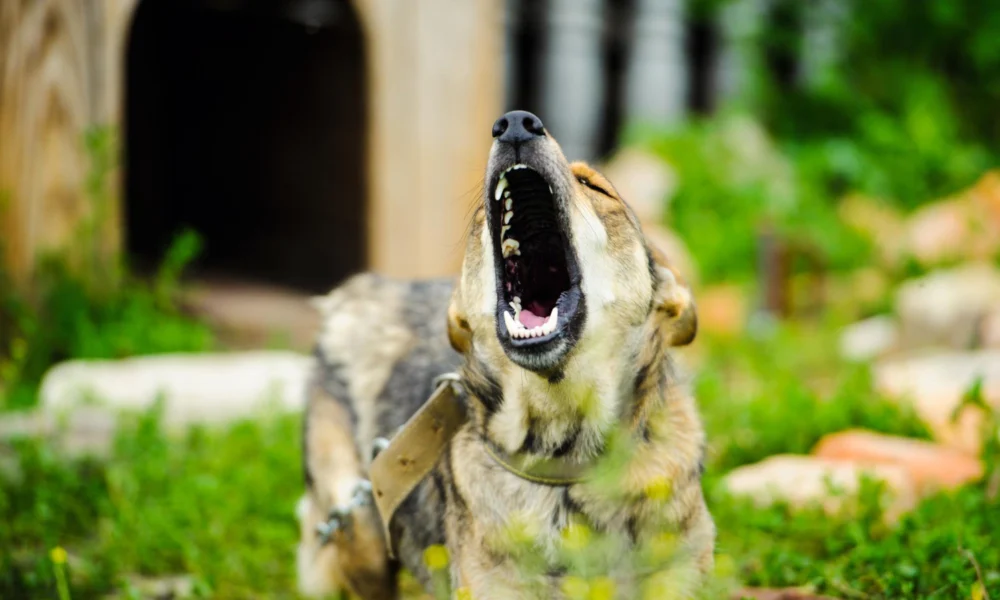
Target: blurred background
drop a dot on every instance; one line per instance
(178, 177)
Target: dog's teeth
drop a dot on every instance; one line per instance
(517, 300)
(554, 317)
(509, 322)
(501, 186)
(504, 230)
(550, 190)
(510, 246)
(509, 202)
(507, 216)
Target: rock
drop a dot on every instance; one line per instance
(986, 194)
(195, 387)
(932, 466)
(939, 232)
(777, 594)
(722, 309)
(806, 480)
(990, 331)
(869, 338)
(644, 180)
(949, 306)
(934, 385)
(965, 227)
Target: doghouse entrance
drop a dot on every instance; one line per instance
(247, 124)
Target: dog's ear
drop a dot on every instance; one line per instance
(675, 301)
(459, 332)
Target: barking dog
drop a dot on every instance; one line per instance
(559, 328)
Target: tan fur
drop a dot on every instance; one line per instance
(617, 380)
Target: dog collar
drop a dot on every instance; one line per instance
(544, 471)
(402, 463)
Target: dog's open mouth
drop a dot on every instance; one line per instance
(537, 275)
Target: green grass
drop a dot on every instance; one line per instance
(217, 505)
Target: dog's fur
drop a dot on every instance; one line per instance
(382, 343)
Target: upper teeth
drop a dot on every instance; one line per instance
(502, 184)
(517, 330)
(500, 188)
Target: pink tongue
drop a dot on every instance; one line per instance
(530, 319)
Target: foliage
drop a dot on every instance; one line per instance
(733, 183)
(83, 304)
(907, 110)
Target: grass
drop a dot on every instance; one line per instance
(216, 505)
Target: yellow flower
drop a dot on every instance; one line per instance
(602, 588)
(436, 557)
(659, 489)
(663, 546)
(574, 587)
(978, 591)
(58, 555)
(576, 536)
(463, 593)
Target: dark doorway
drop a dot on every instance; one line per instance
(245, 120)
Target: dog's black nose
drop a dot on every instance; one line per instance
(517, 127)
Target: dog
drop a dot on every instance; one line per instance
(560, 328)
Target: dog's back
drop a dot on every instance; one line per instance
(381, 343)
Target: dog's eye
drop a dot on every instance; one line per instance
(594, 187)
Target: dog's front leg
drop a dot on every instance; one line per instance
(342, 544)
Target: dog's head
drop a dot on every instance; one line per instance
(556, 261)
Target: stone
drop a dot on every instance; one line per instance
(948, 307)
(964, 227)
(939, 232)
(989, 333)
(934, 384)
(802, 481)
(722, 309)
(868, 339)
(196, 388)
(986, 194)
(932, 466)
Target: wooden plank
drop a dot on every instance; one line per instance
(58, 66)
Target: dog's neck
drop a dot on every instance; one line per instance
(569, 413)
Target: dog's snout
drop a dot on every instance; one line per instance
(517, 127)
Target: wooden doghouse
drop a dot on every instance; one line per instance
(306, 139)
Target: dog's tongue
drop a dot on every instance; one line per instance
(530, 319)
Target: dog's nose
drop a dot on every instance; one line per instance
(517, 127)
